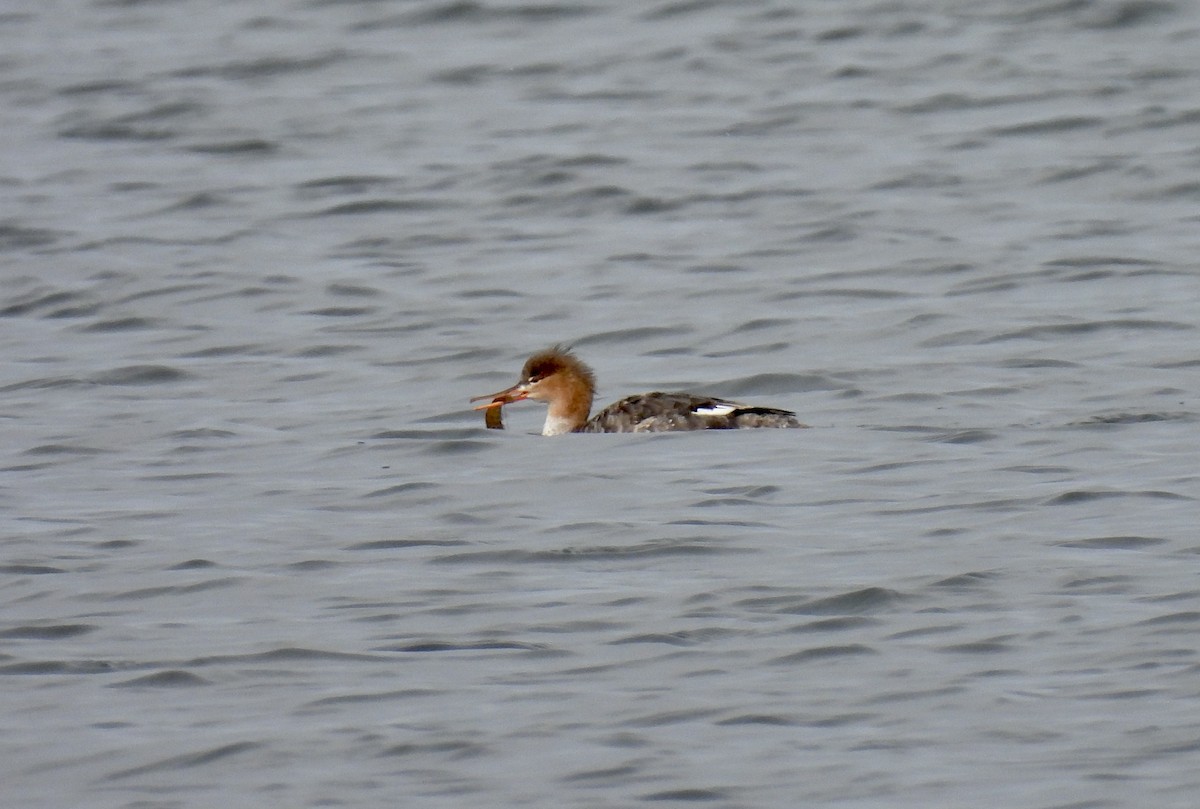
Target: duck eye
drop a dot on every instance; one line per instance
(534, 379)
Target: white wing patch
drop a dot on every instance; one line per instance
(716, 409)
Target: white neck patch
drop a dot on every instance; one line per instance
(556, 425)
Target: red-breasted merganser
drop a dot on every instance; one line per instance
(559, 378)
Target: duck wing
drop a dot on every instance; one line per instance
(675, 412)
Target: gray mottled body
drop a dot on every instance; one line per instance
(673, 412)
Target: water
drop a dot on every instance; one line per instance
(258, 552)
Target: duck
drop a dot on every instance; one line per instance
(567, 385)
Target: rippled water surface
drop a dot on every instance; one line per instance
(255, 550)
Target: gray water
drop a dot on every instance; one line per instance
(257, 551)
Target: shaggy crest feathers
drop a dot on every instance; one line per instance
(557, 359)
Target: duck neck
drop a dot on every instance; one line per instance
(569, 411)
